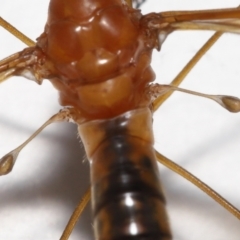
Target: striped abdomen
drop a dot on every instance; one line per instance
(126, 196)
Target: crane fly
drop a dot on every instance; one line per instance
(180, 197)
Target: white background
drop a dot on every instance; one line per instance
(38, 197)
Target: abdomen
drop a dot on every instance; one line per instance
(127, 199)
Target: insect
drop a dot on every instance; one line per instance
(155, 122)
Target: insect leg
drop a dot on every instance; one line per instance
(188, 67)
(184, 173)
(11, 64)
(226, 20)
(16, 32)
(76, 215)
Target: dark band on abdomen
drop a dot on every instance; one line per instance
(129, 203)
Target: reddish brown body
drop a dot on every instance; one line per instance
(97, 54)
(127, 199)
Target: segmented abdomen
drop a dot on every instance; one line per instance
(128, 202)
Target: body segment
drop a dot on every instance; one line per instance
(98, 56)
(104, 74)
(128, 202)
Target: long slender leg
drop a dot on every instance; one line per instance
(76, 214)
(161, 99)
(11, 64)
(188, 67)
(205, 188)
(15, 32)
(181, 147)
